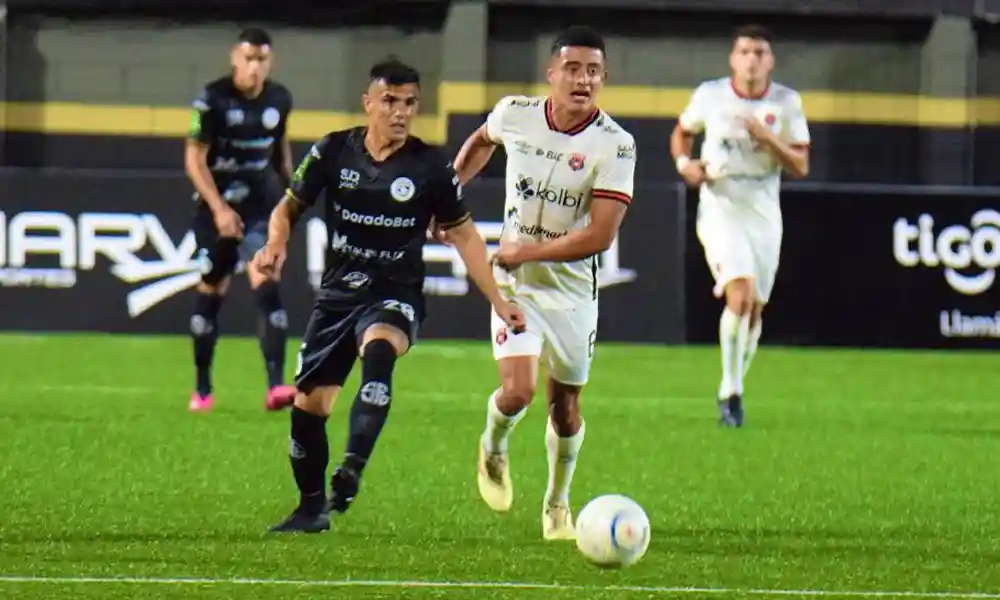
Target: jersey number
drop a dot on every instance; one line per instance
(401, 307)
(591, 343)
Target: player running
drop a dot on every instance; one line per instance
(383, 187)
(237, 137)
(754, 128)
(569, 182)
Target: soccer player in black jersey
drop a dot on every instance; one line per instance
(237, 156)
(382, 188)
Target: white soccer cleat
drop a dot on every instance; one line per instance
(494, 480)
(557, 523)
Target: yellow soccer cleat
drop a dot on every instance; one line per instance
(494, 480)
(557, 523)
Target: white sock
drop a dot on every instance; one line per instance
(562, 452)
(734, 338)
(752, 344)
(499, 426)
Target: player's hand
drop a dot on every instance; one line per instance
(511, 315)
(693, 173)
(755, 128)
(228, 223)
(270, 259)
(508, 257)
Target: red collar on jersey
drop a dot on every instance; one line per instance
(574, 130)
(758, 96)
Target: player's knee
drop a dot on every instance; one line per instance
(388, 334)
(318, 400)
(269, 303)
(515, 394)
(739, 296)
(216, 269)
(218, 288)
(564, 408)
(205, 316)
(518, 378)
(757, 313)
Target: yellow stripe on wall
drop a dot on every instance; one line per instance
(475, 98)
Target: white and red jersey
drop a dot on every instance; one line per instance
(747, 175)
(552, 178)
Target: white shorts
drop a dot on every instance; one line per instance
(564, 337)
(737, 247)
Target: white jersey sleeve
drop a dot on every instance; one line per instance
(796, 126)
(696, 113)
(498, 121)
(615, 176)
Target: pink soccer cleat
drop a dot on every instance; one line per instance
(200, 403)
(279, 397)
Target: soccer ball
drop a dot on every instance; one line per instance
(612, 531)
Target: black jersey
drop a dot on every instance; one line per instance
(242, 134)
(377, 213)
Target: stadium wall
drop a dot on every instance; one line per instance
(864, 265)
(904, 101)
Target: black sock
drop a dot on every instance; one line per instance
(273, 332)
(309, 455)
(204, 333)
(371, 405)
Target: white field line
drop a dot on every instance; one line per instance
(489, 585)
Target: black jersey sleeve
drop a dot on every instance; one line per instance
(310, 178)
(204, 118)
(446, 198)
(286, 112)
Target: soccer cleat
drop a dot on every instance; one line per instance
(736, 409)
(200, 403)
(495, 485)
(343, 488)
(279, 397)
(557, 522)
(305, 520)
(731, 411)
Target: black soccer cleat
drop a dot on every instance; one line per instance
(305, 520)
(343, 488)
(731, 411)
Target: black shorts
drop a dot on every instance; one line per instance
(218, 257)
(330, 345)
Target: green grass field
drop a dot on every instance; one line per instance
(859, 473)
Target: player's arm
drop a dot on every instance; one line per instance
(478, 148)
(792, 147)
(201, 134)
(472, 249)
(308, 182)
(611, 195)
(690, 123)
(287, 167)
(451, 215)
(606, 214)
(474, 154)
(285, 164)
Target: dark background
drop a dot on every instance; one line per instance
(838, 284)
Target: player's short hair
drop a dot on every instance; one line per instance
(394, 72)
(255, 37)
(754, 32)
(581, 36)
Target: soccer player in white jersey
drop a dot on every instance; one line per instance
(569, 182)
(754, 129)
